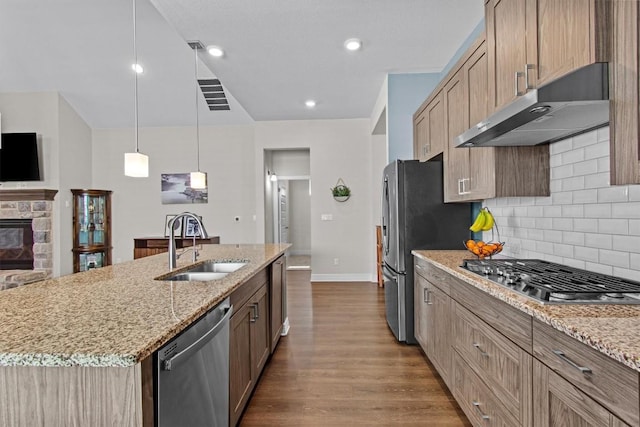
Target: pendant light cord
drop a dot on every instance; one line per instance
(195, 54)
(135, 71)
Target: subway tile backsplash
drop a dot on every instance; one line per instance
(585, 223)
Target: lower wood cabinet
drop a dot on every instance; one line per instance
(503, 366)
(432, 323)
(505, 369)
(249, 349)
(558, 403)
(477, 401)
(277, 299)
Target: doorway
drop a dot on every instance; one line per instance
(288, 204)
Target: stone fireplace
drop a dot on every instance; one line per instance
(26, 248)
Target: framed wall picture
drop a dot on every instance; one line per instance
(191, 227)
(177, 227)
(176, 188)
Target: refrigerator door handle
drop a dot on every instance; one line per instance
(385, 215)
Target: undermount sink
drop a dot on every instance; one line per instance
(210, 270)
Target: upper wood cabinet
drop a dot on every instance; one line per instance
(532, 42)
(428, 129)
(482, 173)
(624, 109)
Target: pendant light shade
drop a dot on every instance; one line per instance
(136, 164)
(198, 180)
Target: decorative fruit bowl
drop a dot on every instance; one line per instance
(483, 249)
(484, 222)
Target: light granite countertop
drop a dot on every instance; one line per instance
(610, 329)
(115, 315)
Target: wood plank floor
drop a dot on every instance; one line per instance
(340, 366)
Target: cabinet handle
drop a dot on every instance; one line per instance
(254, 308)
(518, 74)
(562, 356)
(461, 186)
(426, 294)
(482, 352)
(482, 415)
(257, 311)
(528, 67)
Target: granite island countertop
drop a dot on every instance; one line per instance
(611, 329)
(115, 315)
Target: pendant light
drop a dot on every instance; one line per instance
(198, 179)
(136, 164)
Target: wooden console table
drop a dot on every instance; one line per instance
(146, 246)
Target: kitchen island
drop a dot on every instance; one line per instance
(70, 342)
(519, 362)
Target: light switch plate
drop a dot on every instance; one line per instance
(326, 217)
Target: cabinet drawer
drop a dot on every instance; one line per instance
(433, 274)
(507, 320)
(609, 382)
(476, 400)
(503, 366)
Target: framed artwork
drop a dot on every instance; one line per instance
(176, 188)
(191, 227)
(177, 227)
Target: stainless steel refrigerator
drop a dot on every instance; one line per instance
(414, 216)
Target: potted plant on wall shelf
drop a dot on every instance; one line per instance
(341, 192)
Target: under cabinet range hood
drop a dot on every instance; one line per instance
(575, 103)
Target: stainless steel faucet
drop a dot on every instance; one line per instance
(172, 238)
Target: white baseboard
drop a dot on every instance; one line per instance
(285, 327)
(343, 278)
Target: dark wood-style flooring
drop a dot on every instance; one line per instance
(340, 365)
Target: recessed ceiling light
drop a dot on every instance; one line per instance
(310, 103)
(215, 51)
(353, 44)
(137, 68)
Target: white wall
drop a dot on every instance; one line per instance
(339, 149)
(226, 155)
(585, 223)
(75, 172)
(291, 162)
(61, 130)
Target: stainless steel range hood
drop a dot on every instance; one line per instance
(570, 105)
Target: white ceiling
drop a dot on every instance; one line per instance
(278, 54)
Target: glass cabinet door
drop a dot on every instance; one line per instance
(91, 215)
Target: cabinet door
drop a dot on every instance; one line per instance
(625, 102)
(439, 330)
(563, 35)
(429, 130)
(277, 300)
(558, 403)
(481, 159)
(420, 290)
(260, 330)
(420, 135)
(456, 177)
(241, 379)
(506, 46)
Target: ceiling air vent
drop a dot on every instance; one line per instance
(214, 94)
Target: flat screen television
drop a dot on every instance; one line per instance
(19, 157)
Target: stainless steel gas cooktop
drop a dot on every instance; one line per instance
(550, 283)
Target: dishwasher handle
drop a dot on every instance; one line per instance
(171, 362)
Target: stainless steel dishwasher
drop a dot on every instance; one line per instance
(192, 373)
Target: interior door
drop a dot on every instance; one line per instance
(283, 215)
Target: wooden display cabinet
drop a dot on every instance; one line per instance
(91, 229)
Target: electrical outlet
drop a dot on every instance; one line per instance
(326, 217)
(336, 261)
(236, 218)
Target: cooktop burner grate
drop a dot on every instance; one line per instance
(555, 278)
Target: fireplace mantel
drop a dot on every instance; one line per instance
(24, 194)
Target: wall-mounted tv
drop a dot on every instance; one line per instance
(19, 157)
